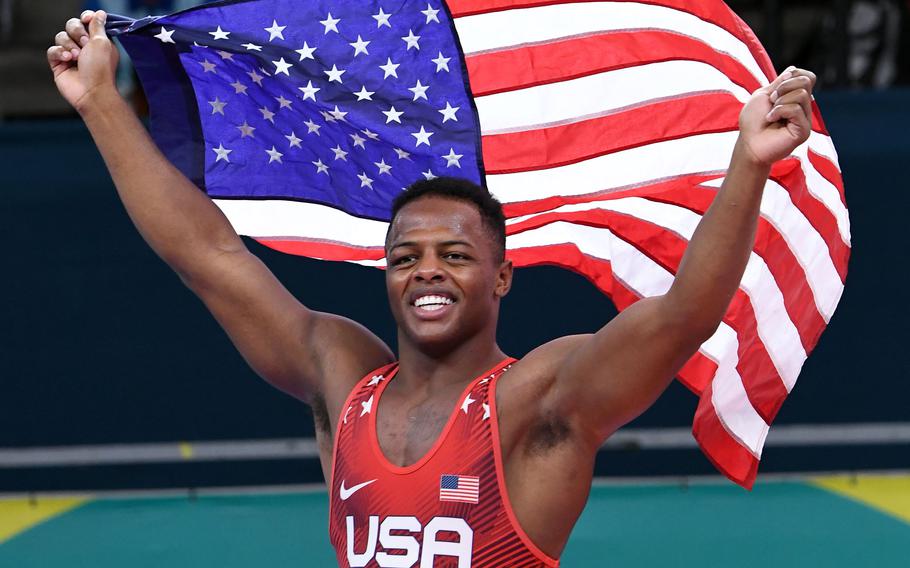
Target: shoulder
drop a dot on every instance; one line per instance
(523, 391)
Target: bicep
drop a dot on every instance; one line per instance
(617, 373)
(286, 343)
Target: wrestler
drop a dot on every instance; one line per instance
(450, 452)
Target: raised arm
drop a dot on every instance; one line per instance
(614, 375)
(289, 345)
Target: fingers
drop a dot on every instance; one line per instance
(799, 97)
(64, 40)
(792, 113)
(57, 54)
(76, 31)
(96, 26)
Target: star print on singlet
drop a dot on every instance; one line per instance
(448, 509)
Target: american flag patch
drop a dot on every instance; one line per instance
(462, 488)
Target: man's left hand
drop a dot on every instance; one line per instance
(778, 118)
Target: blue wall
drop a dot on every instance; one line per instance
(101, 343)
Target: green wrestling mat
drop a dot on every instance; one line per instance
(831, 522)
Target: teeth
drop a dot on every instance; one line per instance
(432, 302)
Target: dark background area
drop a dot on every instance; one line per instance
(101, 343)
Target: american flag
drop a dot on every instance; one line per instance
(460, 488)
(604, 127)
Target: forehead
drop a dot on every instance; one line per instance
(432, 218)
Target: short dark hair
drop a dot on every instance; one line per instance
(461, 189)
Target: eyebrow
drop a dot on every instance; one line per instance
(444, 243)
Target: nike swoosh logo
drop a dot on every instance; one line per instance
(345, 492)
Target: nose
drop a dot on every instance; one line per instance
(429, 269)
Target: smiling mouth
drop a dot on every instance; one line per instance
(432, 303)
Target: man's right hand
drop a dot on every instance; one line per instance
(84, 61)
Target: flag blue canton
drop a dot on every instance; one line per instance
(340, 103)
(448, 482)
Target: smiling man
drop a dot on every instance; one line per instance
(456, 454)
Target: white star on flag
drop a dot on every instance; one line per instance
(274, 155)
(358, 140)
(255, 77)
(246, 130)
(441, 62)
(331, 24)
(428, 175)
(364, 95)
(335, 73)
(402, 155)
(390, 68)
(392, 115)
(309, 92)
(365, 180)
(384, 168)
(423, 137)
(382, 19)
(165, 36)
(282, 66)
(312, 127)
(275, 31)
(340, 154)
(367, 406)
(452, 158)
(412, 40)
(218, 106)
(320, 167)
(283, 102)
(486, 411)
(360, 46)
(430, 13)
(420, 91)
(239, 88)
(306, 52)
(467, 402)
(225, 55)
(293, 140)
(267, 115)
(348, 411)
(370, 134)
(374, 380)
(219, 34)
(448, 113)
(222, 153)
(252, 47)
(338, 114)
(207, 65)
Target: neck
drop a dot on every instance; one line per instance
(419, 366)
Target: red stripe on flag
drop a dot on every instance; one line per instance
(531, 65)
(729, 456)
(629, 128)
(829, 171)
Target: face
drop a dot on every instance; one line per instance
(444, 277)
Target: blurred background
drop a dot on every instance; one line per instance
(115, 377)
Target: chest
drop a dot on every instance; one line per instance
(407, 428)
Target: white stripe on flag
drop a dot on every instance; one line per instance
(661, 160)
(574, 100)
(276, 218)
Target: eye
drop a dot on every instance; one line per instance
(400, 260)
(455, 256)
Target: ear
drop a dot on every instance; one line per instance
(503, 279)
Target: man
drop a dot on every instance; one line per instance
(455, 454)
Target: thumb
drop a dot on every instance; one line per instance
(96, 26)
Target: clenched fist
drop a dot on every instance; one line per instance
(778, 118)
(84, 61)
